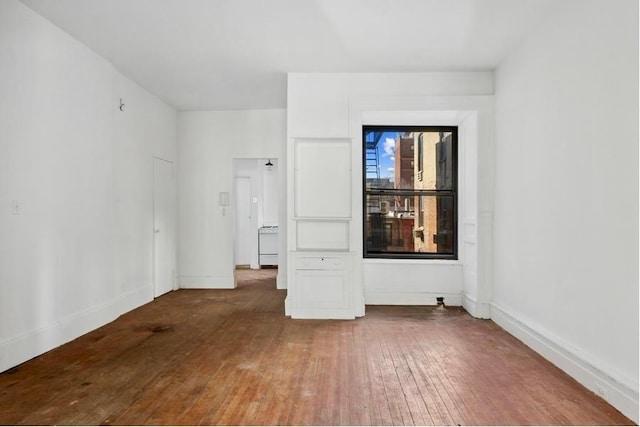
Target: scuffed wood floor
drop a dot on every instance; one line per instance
(231, 357)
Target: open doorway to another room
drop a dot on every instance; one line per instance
(255, 201)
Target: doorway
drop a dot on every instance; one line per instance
(255, 210)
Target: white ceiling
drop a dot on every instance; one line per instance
(234, 54)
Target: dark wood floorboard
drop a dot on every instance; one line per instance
(231, 357)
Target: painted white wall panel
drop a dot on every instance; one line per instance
(318, 103)
(337, 105)
(412, 283)
(147, 128)
(208, 143)
(327, 115)
(473, 116)
(77, 252)
(566, 208)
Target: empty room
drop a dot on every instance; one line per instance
(319, 212)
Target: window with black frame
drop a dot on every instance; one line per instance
(410, 191)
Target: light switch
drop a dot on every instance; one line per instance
(254, 200)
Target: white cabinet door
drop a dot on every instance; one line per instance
(322, 287)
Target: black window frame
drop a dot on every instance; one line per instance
(411, 192)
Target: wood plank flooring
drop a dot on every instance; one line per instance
(231, 357)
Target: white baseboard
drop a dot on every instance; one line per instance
(135, 298)
(207, 282)
(29, 344)
(384, 297)
(622, 393)
(281, 280)
(475, 308)
(287, 309)
(329, 314)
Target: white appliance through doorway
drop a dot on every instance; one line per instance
(268, 245)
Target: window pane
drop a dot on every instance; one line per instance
(410, 224)
(409, 160)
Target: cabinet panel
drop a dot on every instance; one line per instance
(322, 178)
(322, 286)
(318, 290)
(322, 235)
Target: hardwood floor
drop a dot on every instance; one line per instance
(232, 357)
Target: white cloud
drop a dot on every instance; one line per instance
(391, 169)
(392, 158)
(389, 147)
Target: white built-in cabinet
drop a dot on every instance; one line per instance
(321, 263)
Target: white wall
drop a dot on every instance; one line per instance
(337, 105)
(208, 143)
(147, 128)
(81, 182)
(566, 208)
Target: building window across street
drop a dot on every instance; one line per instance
(410, 191)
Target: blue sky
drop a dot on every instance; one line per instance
(386, 154)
